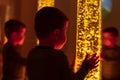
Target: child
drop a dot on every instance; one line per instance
(46, 61)
(13, 63)
(110, 54)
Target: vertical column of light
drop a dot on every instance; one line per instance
(43, 3)
(88, 33)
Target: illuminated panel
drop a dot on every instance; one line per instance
(88, 33)
(43, 3)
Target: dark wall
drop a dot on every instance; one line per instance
(28, 10)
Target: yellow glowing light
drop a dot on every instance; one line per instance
(88, 33)
(43, 3)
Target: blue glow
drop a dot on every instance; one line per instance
(106, 7)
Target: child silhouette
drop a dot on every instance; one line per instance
(46, 61)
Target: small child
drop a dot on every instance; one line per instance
(46, 61)
(110, 54)
(13, 63)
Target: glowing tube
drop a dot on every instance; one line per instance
(88, 33)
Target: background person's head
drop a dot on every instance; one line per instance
(15, 32)
(51, 23)
(110, 36)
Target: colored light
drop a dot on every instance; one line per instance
(43, 3)
(88, 33)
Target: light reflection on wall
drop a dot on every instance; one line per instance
(88, 33)
(43, 3)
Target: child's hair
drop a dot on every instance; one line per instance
(112, 30)
(13, 25)
(48, 19)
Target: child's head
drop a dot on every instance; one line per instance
(50, 26)
(15, 32)
(110, 36)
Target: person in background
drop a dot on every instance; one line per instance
(13, 63)
(110, 54)
(47, 61)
